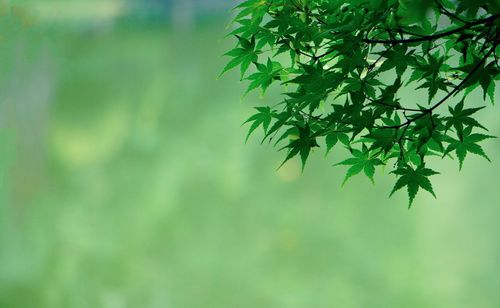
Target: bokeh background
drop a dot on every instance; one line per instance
(125, 181)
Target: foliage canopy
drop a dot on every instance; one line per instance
(344, 66)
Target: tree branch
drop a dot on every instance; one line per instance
(434, 36)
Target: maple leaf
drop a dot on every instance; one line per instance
(361, 162)
(302, 145)
(467, 143)
(413, 179)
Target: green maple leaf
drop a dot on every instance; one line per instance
(332, 139)
(254, 8)
(262, 117)
(460, 117)
(249, 27)
(360, 162)
(302, 145)
(265, 75)
(471, 7)
(397, 58)
(427, 133)
(243, 56)
(484, 76)
(467, 143)
(413, 179)
(433, 85)
(383, 139)
(430, 72)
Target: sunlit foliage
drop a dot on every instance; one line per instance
(343, 65)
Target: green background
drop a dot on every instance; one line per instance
(126, 182)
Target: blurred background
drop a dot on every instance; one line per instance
(125, 181)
